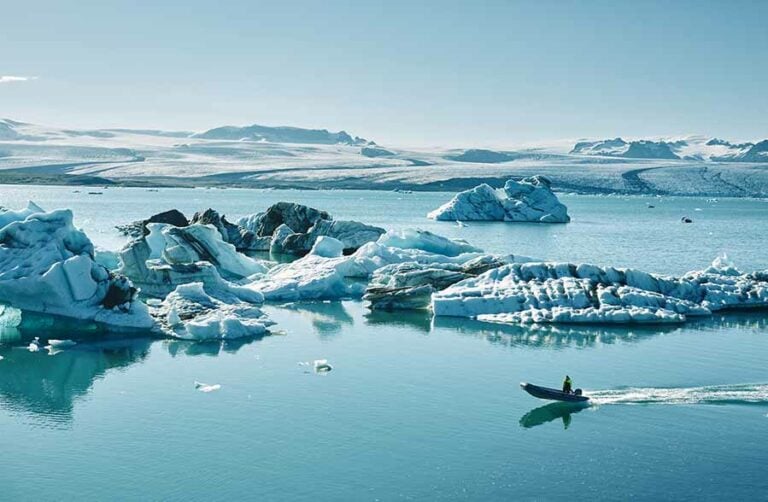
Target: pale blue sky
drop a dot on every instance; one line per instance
(400, 72)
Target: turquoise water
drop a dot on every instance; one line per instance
(414, 408)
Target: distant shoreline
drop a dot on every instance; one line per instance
(352, 183)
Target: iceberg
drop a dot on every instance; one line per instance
(297, 217)
(568, 293)
(352, 234)
(294, 228)
(314, 277)
(327, 247)
(139, 228)
(242, 238)
(426, 241)
(528, 200)
(170, 256)
(49, 266)
(409, 285)
(190, 313)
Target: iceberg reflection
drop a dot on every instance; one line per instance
(552, 335)
(48, 385)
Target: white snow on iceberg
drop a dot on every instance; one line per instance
(48, 266)
(190, 313)
(528, 200)
(568, 293)
(314, 277)
(170, 256)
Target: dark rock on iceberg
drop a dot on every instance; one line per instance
(139, 228)
(243, 239)
(294, 228)
(298, 217)
(409, 285)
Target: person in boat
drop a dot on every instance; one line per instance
(567, 385)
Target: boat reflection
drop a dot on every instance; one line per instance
(550, 412)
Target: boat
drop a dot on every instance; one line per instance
(554, 394)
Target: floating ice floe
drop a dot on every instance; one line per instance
(529, 200)
(60, 344)
(318, 365)
(569, 293)
(204, 387)
(48, 266)
(190, 313)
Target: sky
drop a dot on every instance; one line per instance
(407, 73)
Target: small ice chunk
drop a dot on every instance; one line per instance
(60, 344)
(204, 387)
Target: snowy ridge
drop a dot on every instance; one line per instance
(255, 156)
(689, 148)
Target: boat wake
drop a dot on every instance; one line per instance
(745, 394)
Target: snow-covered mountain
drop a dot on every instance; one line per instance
(690, 148)
(259, 156)
(281, 135)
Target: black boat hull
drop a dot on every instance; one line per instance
(552, 394)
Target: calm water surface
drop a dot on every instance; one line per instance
(415, 408)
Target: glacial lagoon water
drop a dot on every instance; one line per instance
(414, 408)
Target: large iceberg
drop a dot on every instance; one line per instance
(48, 266)
(315, 277)
(568, 293)
(528, 200)
(409, 285)
(170, 256)
(242, 238)
(294, 228)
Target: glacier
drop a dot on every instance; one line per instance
(261, 158)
